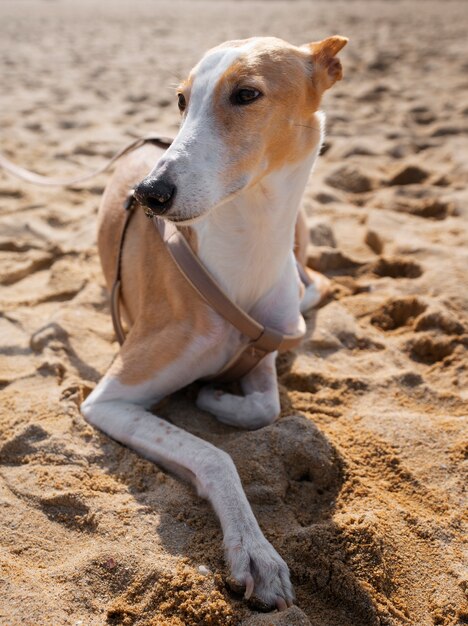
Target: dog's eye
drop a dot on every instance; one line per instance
(181, 101)
(245, 96)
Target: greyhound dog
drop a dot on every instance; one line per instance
(231, 182)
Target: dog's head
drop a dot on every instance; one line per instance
(248, 108)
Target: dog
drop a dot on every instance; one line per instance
(231, 182)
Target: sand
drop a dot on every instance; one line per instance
(360, 484)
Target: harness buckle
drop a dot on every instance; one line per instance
(256, 353)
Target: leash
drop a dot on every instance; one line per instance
(263, 339)
(46, 181)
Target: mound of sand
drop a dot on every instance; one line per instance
(359, 485)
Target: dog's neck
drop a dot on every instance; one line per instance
(247, 242)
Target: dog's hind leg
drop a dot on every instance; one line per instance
(252, 559)
(259, 406)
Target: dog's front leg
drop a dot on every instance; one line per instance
(259, 406)
(252, 559)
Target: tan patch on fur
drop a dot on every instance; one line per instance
(327, 68)
(280, 127)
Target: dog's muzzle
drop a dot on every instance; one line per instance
(156, 193)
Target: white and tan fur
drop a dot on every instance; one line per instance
(240, 171)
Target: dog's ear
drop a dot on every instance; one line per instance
(326, 67)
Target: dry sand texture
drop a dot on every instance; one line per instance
(359, 485)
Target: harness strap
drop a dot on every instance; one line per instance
(263, 339)
(202, 281)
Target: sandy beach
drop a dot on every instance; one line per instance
(360, 484)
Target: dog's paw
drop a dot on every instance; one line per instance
(257, 566)
(252, 411)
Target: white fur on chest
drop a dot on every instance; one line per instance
(247, 242)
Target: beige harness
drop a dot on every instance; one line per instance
(262, 339)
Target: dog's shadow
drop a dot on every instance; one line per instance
(292, 476)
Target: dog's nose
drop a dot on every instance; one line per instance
(156, 193)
